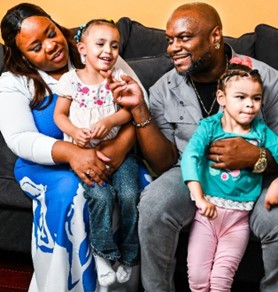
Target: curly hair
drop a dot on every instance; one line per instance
(236, 71)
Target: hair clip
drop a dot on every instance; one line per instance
(242, 61)
(110, 20)
(78, 35)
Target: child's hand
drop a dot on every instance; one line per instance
(101, 129)
(81, 136)
(206, 208)
(271, 197)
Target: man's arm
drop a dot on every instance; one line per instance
(237, 153)
(160, 153)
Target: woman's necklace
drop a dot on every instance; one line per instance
(208, 112)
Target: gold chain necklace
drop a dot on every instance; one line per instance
(208, 112)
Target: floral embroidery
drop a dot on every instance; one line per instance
(224, 176)
(214, 171)
(87, 97)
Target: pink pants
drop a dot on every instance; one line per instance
(215, 249)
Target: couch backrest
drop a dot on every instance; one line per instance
(139, 41)
(266, 48)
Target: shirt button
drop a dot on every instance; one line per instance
(181, 117)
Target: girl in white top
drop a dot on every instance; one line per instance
(85, 110)
(86, 113)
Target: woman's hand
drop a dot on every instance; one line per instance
(87, 163)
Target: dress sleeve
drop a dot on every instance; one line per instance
(17, 124)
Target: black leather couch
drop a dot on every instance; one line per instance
(144, 48)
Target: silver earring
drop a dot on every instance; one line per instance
(217, 46)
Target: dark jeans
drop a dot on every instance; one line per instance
(122, 189)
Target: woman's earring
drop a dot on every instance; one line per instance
(217, 46)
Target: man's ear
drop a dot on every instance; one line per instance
(220, 96)
(217, 37)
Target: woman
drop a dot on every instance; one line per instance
(39, 51)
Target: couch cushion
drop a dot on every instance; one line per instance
(150, 69)
(138, 40)
(244, 44)
(267, 44)
(10, 193)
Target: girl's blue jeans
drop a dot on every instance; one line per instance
(122, 189)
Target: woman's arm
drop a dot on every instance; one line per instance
(19, 130)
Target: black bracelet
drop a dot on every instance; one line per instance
(143, 124)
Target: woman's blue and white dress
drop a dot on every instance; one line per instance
(60, 247)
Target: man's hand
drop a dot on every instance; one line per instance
(127, 92)
(233, 153)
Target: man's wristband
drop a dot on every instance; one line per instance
(143, 124)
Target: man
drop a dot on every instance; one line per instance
(178, 101)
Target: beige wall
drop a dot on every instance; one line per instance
(238, 16)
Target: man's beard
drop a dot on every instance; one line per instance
(197, 66)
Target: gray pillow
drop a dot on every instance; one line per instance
(150, 69)
(267, 44)
(244, 44)
(138, 40)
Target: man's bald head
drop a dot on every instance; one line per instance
(202, 12)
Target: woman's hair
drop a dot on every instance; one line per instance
(84, 27)
(236, 71)
(13, 59)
